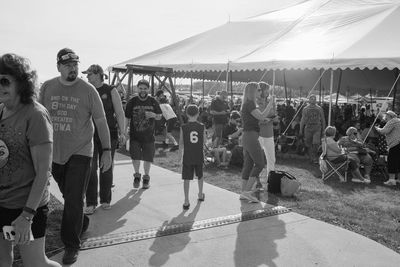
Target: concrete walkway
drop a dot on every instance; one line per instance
(288, 239)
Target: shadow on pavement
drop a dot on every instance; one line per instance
(256, 239)
(164, 246)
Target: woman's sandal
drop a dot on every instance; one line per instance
(202, 197)
(186, 206)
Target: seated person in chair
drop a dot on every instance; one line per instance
(336, 155)
(232, 131)
(354, 145)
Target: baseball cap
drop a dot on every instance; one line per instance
(192, 110)
(144, 82)
(95, 69)
(391, 113)
(66, 55)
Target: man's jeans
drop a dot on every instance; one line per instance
(106, 178)
(72, 179)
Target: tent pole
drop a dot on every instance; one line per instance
(330, 99)
(338, 88)
(320, 88)
(191, 88)
(227, 77)
(273, 82)
(202, 86)
(284, 83)
(230, 84)
(394, 106)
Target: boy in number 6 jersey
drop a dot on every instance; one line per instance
(191, 144)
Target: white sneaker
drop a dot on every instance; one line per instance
(247, 195)
(390, 182)
(89, 210)
(106, 206)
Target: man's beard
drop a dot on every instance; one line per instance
(143, 95)
(71, 76)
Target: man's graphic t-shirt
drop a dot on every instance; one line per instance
(72, 109)
(142, 128)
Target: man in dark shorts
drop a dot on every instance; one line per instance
(191, 148)
(220, 111)
(141, 112)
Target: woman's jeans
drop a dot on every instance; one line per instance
(253, 156)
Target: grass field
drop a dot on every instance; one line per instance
(370, 210)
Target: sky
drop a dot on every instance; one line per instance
(109, 32)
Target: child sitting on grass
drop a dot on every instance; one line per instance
(191, 144)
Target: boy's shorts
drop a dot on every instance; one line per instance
(171, 124)
(39, 223)
(141, 151)
(189, 170)
(312, 136)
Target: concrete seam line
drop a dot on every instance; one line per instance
(131, 236)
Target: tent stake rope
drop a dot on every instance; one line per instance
(298, 110)
(380, 111)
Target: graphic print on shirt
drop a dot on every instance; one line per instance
(60, 105)
(9, 147)
(140, 122)
(4, 153)
(313, 116)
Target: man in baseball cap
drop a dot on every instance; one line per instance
(66, 55)
(95, 69)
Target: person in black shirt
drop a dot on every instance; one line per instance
(191, 145)
(141, 112)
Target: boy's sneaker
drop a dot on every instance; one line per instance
(106, 206)
(146, 181)
(136, 180)
(89, 210)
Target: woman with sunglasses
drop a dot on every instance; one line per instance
(253, 157)
(25, 158)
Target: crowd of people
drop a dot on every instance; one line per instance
(70, 130)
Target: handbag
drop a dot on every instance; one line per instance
(289, 185)
(283, 183)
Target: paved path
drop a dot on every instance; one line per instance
(288, 239)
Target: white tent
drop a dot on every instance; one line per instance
(356, 37)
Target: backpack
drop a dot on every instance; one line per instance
(281, 182)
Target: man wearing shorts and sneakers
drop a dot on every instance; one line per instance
(312, 124)
(141, 112)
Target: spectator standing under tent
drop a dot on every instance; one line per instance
(267, 101)
(312, 124)
(170, 119)
(253, 156)
(392, 132)
(219, 110)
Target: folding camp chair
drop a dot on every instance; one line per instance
(335, 166)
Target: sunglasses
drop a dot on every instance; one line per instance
(5, 82)
(68, 56)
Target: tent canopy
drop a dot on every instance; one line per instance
(297, 42)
